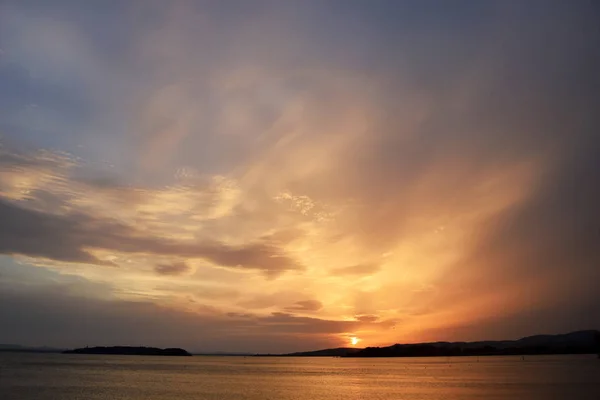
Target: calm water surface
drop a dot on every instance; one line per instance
(69, 377)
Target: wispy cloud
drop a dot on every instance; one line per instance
(172, 269)
(305, 305)
(358, 269)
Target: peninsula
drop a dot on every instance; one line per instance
(581, 342)
(129, 351)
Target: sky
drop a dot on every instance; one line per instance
(278, 176)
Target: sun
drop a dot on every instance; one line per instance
(354, 340)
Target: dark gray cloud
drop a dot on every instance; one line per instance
(37, 234)
(289, 323)
(66, 238)
(277, 299)
(69, 320)
(305, 305)
(358, 269)
(367, 318)
(258, 256)
(178, 268)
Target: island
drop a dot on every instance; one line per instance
(129, 351)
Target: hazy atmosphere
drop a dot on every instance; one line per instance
(277, 176)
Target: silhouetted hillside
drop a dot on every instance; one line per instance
(222, 354)
(582, 342)
(339, 352)
(15, 348)
(133, 351)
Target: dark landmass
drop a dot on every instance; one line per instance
(222, 354)
(130, 351)
(15, 348)
(338, 352)
(582, 342)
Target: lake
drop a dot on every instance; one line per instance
(84, 377)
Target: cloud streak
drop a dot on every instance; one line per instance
(172, 269)
(68, 238)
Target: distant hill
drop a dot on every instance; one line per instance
(222, 354)
(338, 352)
(581, 342)
(133, 351)
(15, 348)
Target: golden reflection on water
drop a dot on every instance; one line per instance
(70, 377)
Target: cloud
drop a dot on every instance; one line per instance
(172, 269)
(305, 305)
(93, 204)
(367, 318)
(71, 320)
(63, 238)
(288, 323)
(258, 256)
(358, 269)
(269, 300)
(68, 238)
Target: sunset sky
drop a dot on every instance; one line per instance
(274, 176)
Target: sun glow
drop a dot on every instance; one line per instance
(354, 340)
